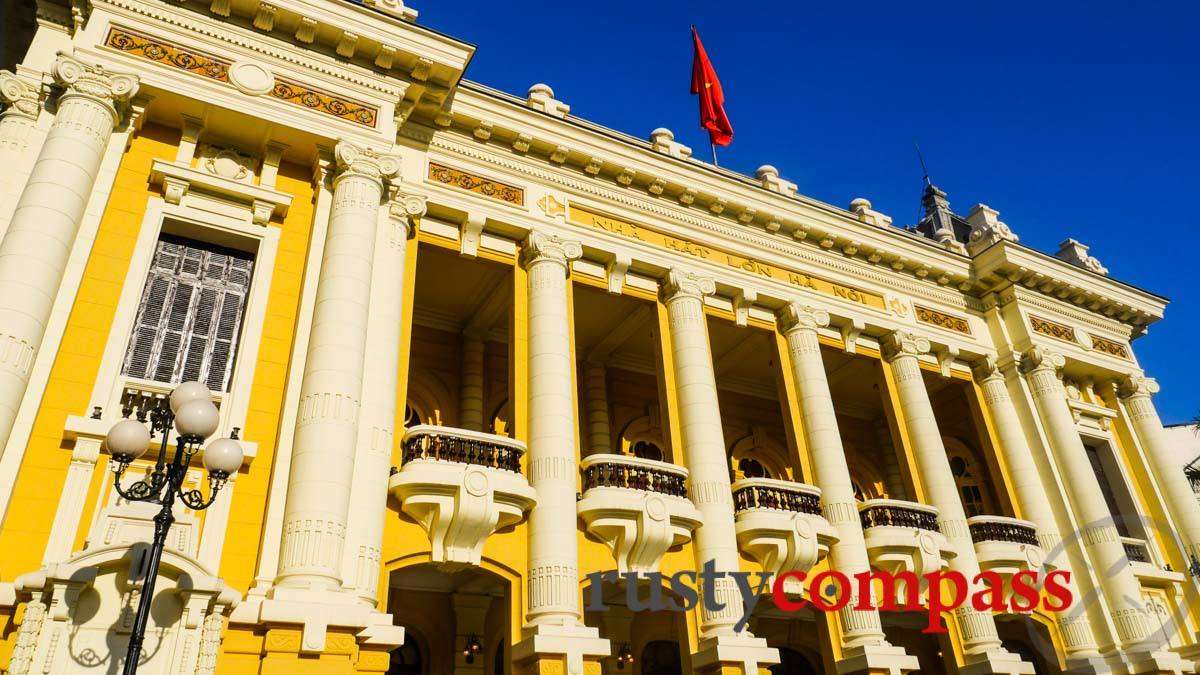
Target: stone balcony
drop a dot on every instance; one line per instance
(1006, 546)
(779, 524)
(903, 536)
(461, 486)
(638, 507)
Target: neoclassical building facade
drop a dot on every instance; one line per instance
(476, 348)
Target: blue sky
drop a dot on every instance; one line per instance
(1072, 119)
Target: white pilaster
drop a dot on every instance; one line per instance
(1027, 483)
(41, 234)
(74, 497)
(377, 421)
(553, 622)
(981, 644)
(1097, 532)
(322, 470)
(1136, 391)
(862, 633)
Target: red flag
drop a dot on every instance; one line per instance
(712, 99)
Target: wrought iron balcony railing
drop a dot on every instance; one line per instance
(766, 493)
(621, 471)
(462, 446)
(999, 528)
(1135, 549)
(895, 513)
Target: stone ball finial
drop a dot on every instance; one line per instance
(540, 88)
(662, 133)
(860, 204)
(766, 171)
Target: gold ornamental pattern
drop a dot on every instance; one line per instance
(149, 48)
(477, 184)
(947, 321)
(1055, 330)
(1109, 347)
(287, 91)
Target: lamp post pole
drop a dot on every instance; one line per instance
(192, 413)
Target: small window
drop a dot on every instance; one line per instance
(647, 450)
(190, 315)
(969, 487)
(752, 468)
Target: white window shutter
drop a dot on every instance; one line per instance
(190, 315)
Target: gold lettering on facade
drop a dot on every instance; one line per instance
(651, 236)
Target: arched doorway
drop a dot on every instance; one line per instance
(792, 662)
(661, 657)
(445, 611)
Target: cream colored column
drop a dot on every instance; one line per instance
(377, 421)
(23, 105)
(595, 382)
(553, 558)
(34, 252)
(470, 407)
(981, 644)
(1032, 497)
(861, 629)
(1098, 534)
(323, 456)
(703, 442)
(1136, 391)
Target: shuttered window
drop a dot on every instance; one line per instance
(190, 314)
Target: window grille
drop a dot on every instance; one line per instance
(190, 315)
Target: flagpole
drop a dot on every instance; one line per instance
(714, 149)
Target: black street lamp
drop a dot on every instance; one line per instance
(192, 413)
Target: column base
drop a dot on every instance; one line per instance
(1159, 662)
(317, 613)
(554, 650)
(733, 655)
(1190, 653)
(1089, 664)
(875, 660)
(996, 662)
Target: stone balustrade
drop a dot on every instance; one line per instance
(765, 493)
(462, 446)
(622, 471)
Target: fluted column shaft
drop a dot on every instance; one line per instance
(470, 407)
(41, 234)
(848, 555)
(320, 483)
(553, 556)
(377, 420)
(1098, 533)
(1031, 495)
(596, 392)
(1164, 463)
(703, 443)
(901, 350)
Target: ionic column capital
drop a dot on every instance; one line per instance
(541, 247)
(684, 284)
(21, 98)
(354, 161)
(95, 83)
(986, 370)
(1040, 359)
(900, 343)
(1137, 386)
(797, 316)
(403, 209)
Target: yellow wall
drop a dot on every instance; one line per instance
(44, 468)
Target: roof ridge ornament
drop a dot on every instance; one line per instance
(1076, 253)
(987, 229)
(541, 98)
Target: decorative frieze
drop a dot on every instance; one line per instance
(1055, 330)
(649, 235)
(213, 68)
(477, 184)
(1110, 347)
(947, 321)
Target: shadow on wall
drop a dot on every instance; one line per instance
(18, 19)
